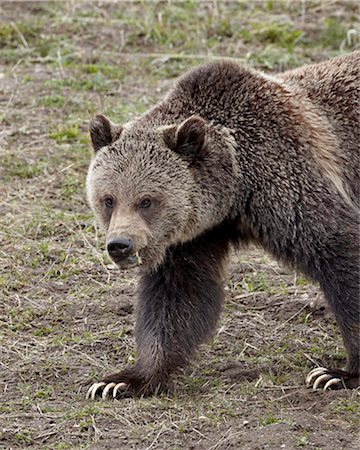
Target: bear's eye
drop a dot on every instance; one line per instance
(145, 203)
(109, 202)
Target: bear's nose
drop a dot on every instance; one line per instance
(119, 247)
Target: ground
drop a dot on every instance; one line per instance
(66, 314)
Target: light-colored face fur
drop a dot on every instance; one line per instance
(159, 187)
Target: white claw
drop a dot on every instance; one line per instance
(315, 373)
(331, 382)
(89, 392)
(320, 379)
(121, 386)
(107, 389)
(92, 391)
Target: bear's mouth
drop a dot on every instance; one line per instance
(129, 261)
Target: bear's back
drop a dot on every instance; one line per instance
(334, 88)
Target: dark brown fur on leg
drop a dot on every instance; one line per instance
(339, 279)
(179, 305)
(328, 252)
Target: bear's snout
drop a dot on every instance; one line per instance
(122, 251)
(120, 247)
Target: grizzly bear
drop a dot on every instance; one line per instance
(230, 156)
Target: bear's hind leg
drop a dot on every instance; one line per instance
(339, 279)
(348, 321)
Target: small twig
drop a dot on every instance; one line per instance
(303, 10)
(21, 36)
(249, 294)
(220, 444)
(311, 359)
(200, 434)
(58, 60)
(45, 436)
(257, 308)
(97, 431)
(291, 318)
(156, 438)
(285, 396)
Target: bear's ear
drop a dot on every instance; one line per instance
(187, 139)
(103, 132)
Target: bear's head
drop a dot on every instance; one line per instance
(154, 187)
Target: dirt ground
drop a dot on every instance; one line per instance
(66, 314)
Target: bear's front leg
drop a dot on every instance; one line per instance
(178, 308)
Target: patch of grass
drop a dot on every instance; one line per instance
(43, 330)
(45, 47)
(52, 101)
(302, 281)
(62, 446)
(303, 440)
(11, 281)
(84, 412)
(159, 25)
(71, 185)
(65, 133)
(20, 34)
(253, 282)
(19, 167)
(305, 318)
(333, 34)
(281, 378)
(43, 393)
(9, 55)
(24, 436)
(278, 34)
(260, 282)
(4, 409)
(96, 82)
(269, 419)
(19, 319)
(112, 71)
(85, 424)
(64, 272)
(44, 249)
(274, 58)
(347, 404)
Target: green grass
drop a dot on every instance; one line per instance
(281, 35)
(17, 34)
(19, 167)
(67, 133)
(303, 440)
(350, 405)
(333, 34)
(269, 419)
(52, 101)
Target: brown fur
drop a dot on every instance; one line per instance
(232, 155)
(324, 92)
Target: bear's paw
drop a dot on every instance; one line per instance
(327, 379)
(106, 390)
